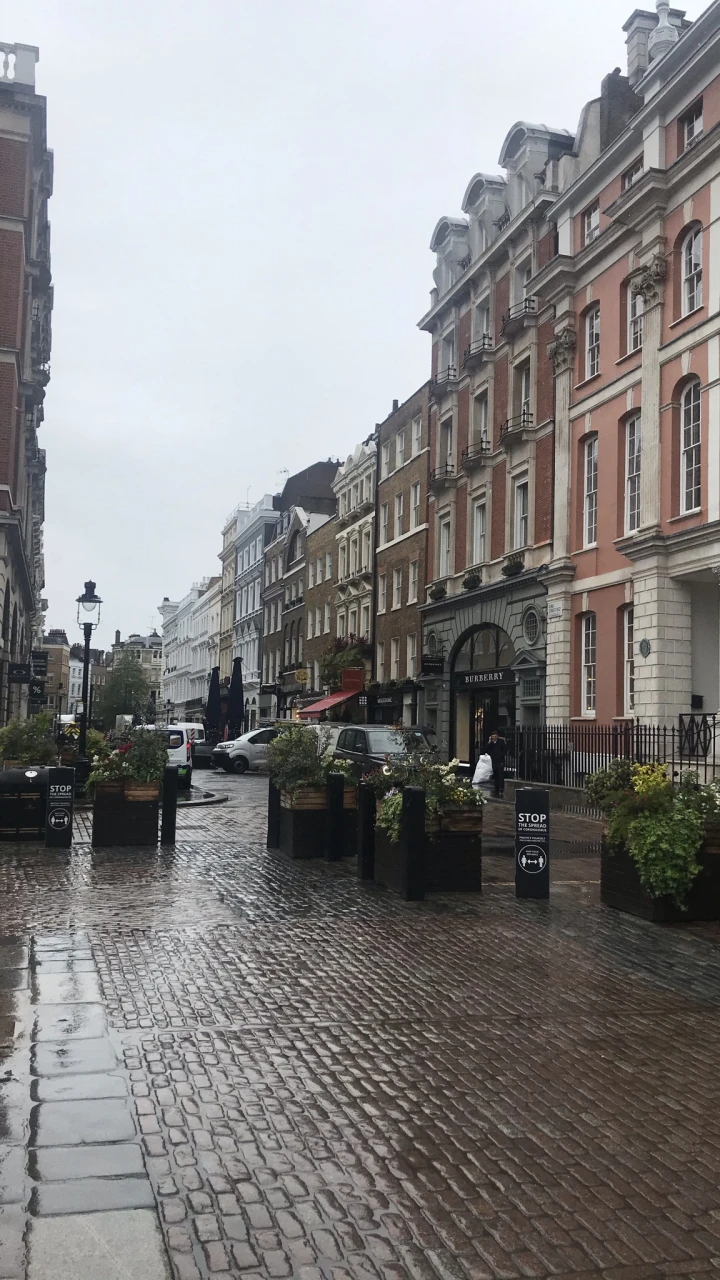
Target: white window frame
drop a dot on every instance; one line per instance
(691, 448)
(448, 350)
(384, 523)
(415, 505)
(445, 549)
(318, 621)
(382, 593)
(633, 465)
(385, 461)
(633, 174)
(397, 581)
(692, 272)
(399, 512)
(365, 621)
(380, 661)
(413, 581)
(629, 660)
(310, 620)
(311, 575)
(416, 436)
(636, 311)
(692, 124)
(482, 318)
(328, 566)
(327, 619)
(590, 511)
(521, 514)
(395, 658)
(592, 342)
(353, 622)
(479, 530)
(589, 664)
(400, 448)
(411, 658)
(341, 624)
(591, 223)
(480, 418)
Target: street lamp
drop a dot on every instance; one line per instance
(88, 616)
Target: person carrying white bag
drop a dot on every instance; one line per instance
(483, 774)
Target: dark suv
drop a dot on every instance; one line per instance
(368, 747)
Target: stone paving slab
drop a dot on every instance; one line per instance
(98, 1246)
(326, 1082)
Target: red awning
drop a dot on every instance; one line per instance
(332, 700)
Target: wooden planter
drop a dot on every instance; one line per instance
(125, 813)
(453, 853)
(620, 886)
(303, 820)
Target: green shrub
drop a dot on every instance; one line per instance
(140, 756)
(301, 757)
(29, 741)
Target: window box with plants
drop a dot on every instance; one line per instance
(300, 759)
(661, 844)
(453, 823)
(126, 783)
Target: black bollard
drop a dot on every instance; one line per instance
(335, 825)
(273, 821)
(168, 821)
(366, 832)
(412, 845)
(532, 843)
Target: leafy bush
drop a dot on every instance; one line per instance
(443, 788)
(342, 653)
(139, 756)
(29, 741)
(661, 826)
(301, 757)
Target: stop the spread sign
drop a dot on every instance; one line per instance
(532, 843)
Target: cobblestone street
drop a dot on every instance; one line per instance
(309, 1077)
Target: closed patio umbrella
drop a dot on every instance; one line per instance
(212, 710)
(236, 705)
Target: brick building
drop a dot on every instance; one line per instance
(401, 550)
(493, 424)
(26, 297)
(306, 503)
(633, 597)
(320, 596)
(57, 682)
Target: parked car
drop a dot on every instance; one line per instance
(247, 752)
(367, 747)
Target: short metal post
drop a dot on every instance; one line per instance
(412, 845)
(168, 821)
(273, 821)
(366, 808)
(335, 825)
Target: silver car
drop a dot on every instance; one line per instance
(246, 752)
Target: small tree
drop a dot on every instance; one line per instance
(342, 653)
(126, 692)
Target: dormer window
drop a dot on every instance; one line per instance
(591, 223)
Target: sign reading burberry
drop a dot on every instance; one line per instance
(532, 843)
(60, 799)
(500, 675)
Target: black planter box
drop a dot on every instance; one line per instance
(117, 821)
(620, 888)
(302, 832)
(453, 862)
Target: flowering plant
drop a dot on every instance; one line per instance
(139, 756)
(302, 757)
(443, 788)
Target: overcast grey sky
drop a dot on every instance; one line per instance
(244, 196)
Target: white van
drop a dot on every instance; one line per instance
(179, 749)
(200, 748)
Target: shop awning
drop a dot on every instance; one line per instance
(332, 700)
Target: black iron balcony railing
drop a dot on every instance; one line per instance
(517, 423)
(476, 451)
(441, 474)
(444, 379)
(477, 349)
(519, 311)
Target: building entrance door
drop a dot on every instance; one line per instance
(482, 691)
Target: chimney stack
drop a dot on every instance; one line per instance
(396, 406)
(117, 637)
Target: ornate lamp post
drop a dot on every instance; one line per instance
(88, 616)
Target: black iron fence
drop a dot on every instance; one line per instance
(565, 755)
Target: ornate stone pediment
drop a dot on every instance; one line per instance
(562, 350)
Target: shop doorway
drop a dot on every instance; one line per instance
(483, 691)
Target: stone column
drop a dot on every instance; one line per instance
(662, 623)
(558, 576)
(649, 284)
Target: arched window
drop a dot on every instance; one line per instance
(589, 664)
(690, 448)
(485, 649)
(692, 294)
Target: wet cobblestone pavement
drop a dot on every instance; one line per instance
(311, 1078)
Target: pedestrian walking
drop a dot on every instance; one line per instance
(496, 748)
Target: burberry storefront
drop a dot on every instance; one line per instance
(484, 664)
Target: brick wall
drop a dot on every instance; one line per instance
(317, 596)
(8, 427)
(502, 303)
(461, 530)
(463, 422)
(498, 511)
(545, 396)
(543, 488)
(11, 287)
(463, 337)
(546, 248)
(13, 177)
(500, 396)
